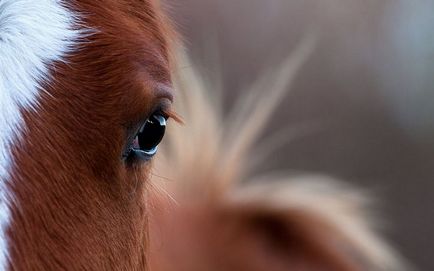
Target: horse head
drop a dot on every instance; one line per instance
(85, 91)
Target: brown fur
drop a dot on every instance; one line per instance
(77, 205)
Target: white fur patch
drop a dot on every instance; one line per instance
(33, 34)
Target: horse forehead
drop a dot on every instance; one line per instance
(33, 35)
(137, 24)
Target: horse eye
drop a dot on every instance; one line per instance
(145, 144)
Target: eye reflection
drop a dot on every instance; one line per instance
(145, 144)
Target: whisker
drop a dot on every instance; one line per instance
(134, 191)
(165, 193)
(162, 177)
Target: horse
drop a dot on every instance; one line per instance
(85, 93)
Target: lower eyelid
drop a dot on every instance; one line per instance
(135, 144)
(142, 156)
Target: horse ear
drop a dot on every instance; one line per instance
(314, 223)
(266, 239)
(276, 226)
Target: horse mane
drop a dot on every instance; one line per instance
(205, 180)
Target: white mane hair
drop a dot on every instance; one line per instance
(209, 160)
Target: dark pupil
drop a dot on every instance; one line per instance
(152, 133)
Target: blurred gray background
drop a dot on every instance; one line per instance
(369, 84)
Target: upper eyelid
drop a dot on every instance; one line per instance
(164, 91)
(161, 105)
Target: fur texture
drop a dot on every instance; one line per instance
(76, 205)
(33, 35)
(70, 96)
(218, 216)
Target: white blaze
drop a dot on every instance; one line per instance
(33, 34)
